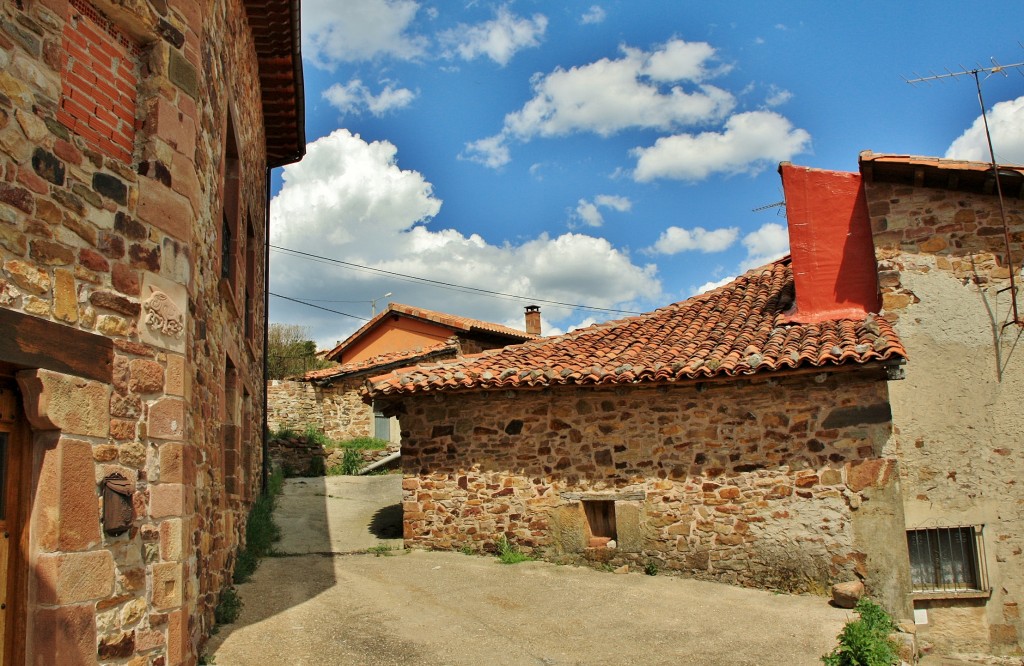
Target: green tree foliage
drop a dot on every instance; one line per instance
(290, 352)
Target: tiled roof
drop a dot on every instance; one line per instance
(737, 329)
(453, 322)
(936, 162)
(275, 30)
(920, 171)
(405, 356)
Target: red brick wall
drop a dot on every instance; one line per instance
(99, 75)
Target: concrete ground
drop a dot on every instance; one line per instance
(339, 514)
(448, 608)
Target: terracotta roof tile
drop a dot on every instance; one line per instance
(405, 356)
(737, 329)
(868, 156)
(275, 31)
(454, 322)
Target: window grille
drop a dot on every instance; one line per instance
(947, 559)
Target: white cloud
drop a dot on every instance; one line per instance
(499, 39)
(608, 96)
(589, 211)
(777, 96)
(714, 284)
(354, 97)
(336, 32)
(1006, 125)
(348, 199)
(747, 143)
(492, 151)
(677, 239)
(595, 14)
(768, 243)
(764, 245)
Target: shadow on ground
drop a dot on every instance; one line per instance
(319, 518)
(387, 522)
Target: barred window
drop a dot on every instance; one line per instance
(947, 559)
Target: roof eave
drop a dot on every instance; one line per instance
(893, 361)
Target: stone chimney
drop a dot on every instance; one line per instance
(834, 270)
(533, 319)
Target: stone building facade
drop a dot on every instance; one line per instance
(750, 482)
(944, 275)
(717, 437)
(135, 143)
(909, 480)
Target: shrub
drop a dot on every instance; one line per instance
(351, 463)
(284, 432)
(651, 568)
(316, 467)
(314, 436)
(228, 607)
(865, 641)
(509, 554)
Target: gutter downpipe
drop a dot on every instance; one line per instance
(380, 463)
(264, 481)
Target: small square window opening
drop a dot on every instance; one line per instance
(600, 522)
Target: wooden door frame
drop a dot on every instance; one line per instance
(19, 475)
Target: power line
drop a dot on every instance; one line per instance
(446, 285)
(296, 300)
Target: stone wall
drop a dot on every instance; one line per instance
(115, 231)
(338, 411)
(298, 455)
(756, 483)
(941, 258)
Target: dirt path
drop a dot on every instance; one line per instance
(448, 608)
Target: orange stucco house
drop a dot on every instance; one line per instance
(400, 335)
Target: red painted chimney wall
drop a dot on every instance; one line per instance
(834, 270)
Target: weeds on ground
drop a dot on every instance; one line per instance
(467, 550)
(316, 467)
(381, 550)
(207, 660)
(865, 641)
(261, 532)
(350, 465)
(315, 436)
(509, 554)
(651, 568)
(362, 444)
(283, 433)
(228, 607)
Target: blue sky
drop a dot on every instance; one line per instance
(607, 153)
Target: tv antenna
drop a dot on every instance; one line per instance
(777, 204)
(976, 72)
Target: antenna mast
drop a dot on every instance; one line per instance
(996, 68)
